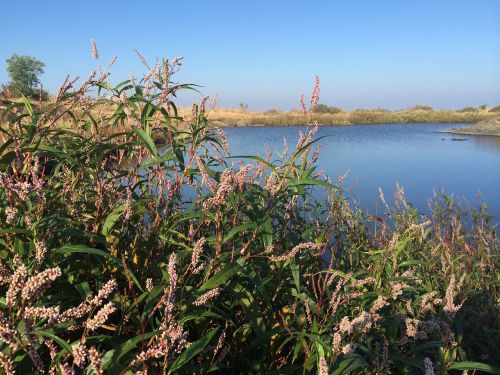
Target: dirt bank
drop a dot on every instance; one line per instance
(486, 127)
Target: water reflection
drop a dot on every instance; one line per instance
(415, 156)
(482, 141)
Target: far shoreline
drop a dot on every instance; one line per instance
(332, 116)
(240, 118)
(218, 124)
(489, 127)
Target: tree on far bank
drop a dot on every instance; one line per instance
(24, 72)
(323, 108)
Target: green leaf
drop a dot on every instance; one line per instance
(222, 276)
(147, 141)
(349, 364)
(238, 229)
(311, 181)
(264, 338)
(257, 158)
(409, 263)
(111, 219)
(163, 158)
(13, 230)
(192, 350)
(400, 246)
(146, 114)
(57, 339)
(268, 234)
(111, 357)
(27, 105)
(51, 149)
(6, 159)
(6, 144)
(205, 314)
(251, 308)
(317, 340)
(151, 301)
(296, 275)
(474, 366)
(425, 346)
(69, 249)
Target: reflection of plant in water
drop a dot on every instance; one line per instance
(106, 268)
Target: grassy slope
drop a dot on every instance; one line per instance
(228, 117)
(234, 117)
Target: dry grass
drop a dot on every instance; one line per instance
(228, 117)
(236, 117)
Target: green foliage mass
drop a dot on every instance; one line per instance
(421, 107)
(24, 72)
(323, 108)
(120, 255)
(469, 109)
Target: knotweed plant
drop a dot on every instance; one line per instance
(132, 242)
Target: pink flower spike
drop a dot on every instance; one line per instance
(95, 52)
(303, 104)
(315, 94)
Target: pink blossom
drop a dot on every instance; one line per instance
(303, 104)
(95, 52)
(37, 284)
(207, 296)
(315, 94)
(295, 250)
(100, 317)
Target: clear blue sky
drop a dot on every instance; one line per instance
(391, 54)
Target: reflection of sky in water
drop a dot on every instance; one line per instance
(415, 156)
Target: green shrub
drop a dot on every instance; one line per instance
(272, 111)
(25, 72)
(323, 108)
(421, 107)
(9, 91)
(469, 109)
(119, 256)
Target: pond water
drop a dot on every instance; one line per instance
(416, 156)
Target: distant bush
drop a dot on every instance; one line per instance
(495, 109)
(363, 116)
(468, 109)
(10, 91)
(25, 72)
(272, 111)
(421, 107)
(323, 108)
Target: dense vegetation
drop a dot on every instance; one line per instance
(334, 116)
(24, 72)
(119, 256)
(323, 108)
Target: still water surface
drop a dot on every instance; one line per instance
(415, 156)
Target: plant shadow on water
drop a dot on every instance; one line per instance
(106, 267)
